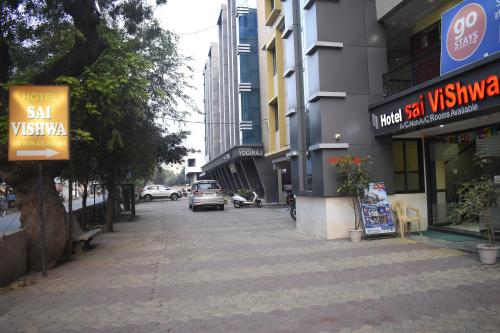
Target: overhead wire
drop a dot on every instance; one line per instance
(197, 32)
(202, 122)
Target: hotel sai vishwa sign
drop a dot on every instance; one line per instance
(470, 31)
(38, 123)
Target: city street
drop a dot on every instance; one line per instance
(249, 270)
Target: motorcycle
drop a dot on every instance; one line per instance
(253, 200)
(290, 201)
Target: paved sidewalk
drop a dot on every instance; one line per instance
(249, 270)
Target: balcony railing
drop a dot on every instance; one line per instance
(409, 74)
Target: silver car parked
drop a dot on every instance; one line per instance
(206, 193)
(151, 192)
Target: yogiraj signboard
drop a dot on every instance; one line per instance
(235, 153)
(251, 152)
(470, 31)
(467, 95)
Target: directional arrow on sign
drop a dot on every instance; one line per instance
(34, 153)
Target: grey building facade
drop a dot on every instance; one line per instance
(213, 128)
(336, 54)
(354, 72)
(235, 155)
(228, 78)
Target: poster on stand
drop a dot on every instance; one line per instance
(376, 212)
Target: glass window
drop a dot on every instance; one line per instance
(276, 118)
(399, 182)
(275, 65)
(458, 158)
(208, 186)
(397, 154)
(411, 156)
(408, 168)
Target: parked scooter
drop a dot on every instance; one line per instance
(252, 200)
(290, 201)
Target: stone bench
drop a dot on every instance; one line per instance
(80, 235)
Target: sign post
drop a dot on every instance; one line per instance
(41, 218)
(39, 131)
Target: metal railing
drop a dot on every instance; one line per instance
(411, 73)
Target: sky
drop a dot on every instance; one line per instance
(195, 21)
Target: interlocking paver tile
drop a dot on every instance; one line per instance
(249, 270)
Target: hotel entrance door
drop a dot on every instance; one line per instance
(459, 158)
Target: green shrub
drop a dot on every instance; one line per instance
(353, 177)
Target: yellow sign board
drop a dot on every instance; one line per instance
(38, 123)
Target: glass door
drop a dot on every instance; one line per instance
(459, 158)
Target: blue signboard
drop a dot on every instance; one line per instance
(470, 31)
(376, 213)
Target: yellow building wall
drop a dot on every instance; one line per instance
(263, 32)
(268, 21)
(272, 12)
(281, 91)
(276, 93)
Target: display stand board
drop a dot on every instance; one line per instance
(376, 212)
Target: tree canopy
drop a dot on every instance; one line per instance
(126, 76)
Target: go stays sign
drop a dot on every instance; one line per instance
(470, 31)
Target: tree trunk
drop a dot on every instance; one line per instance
(491, 231)
(56, 229)
(87, 47)
(126, 198)
(356, 218)
(110, 208)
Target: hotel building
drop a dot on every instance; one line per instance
(233, 123)
(374, 78)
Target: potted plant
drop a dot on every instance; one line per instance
(476, 199)
(353, 178)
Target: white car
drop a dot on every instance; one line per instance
(206, 193)
(151, 192)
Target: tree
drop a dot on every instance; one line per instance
(132, 81)
(169, 177)
(124, 71)
(40, 40)
(476, 199)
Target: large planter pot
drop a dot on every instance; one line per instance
(487, 253)
(355, 235)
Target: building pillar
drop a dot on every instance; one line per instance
(222, 180)
(222, 175)
(238, 176)
(245, 174)
(234, 187)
